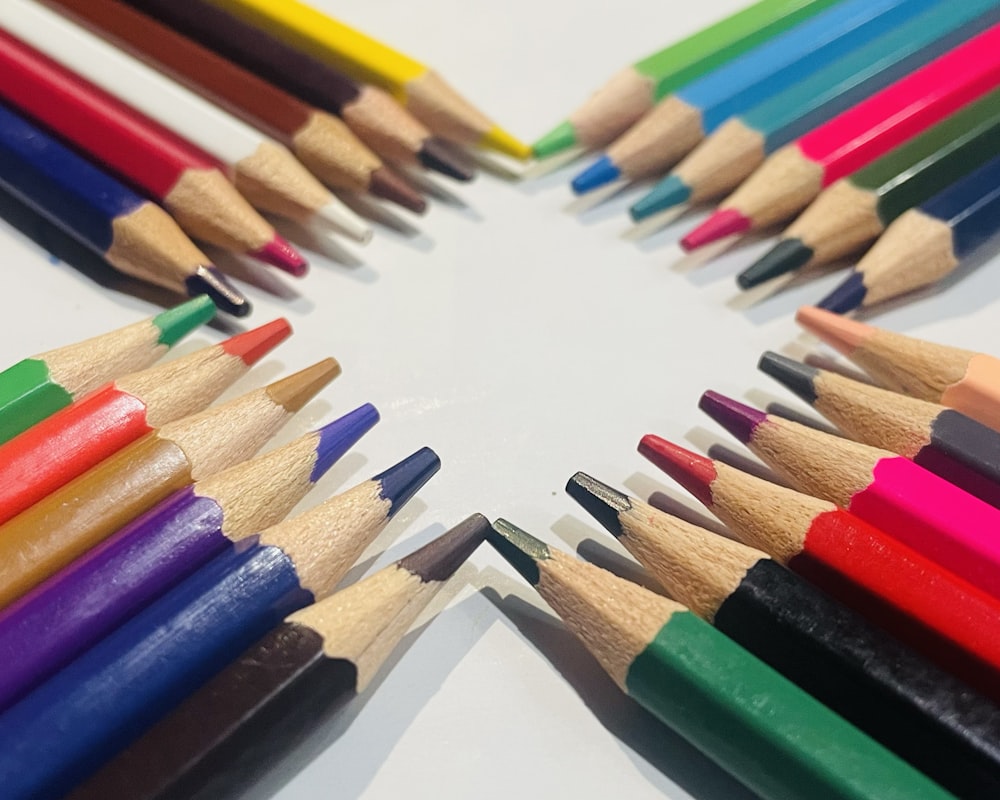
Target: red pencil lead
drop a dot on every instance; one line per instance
(255, 344)
(722, 223)
(692, 471)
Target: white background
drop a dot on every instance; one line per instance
(521, 343)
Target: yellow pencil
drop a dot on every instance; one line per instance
(415, 85)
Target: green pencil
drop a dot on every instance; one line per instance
(768, 733)
(37, 387)
(636, 89)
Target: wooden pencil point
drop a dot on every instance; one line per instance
(437, 560)
(601, 501)
(519, 548)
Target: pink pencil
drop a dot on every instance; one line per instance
(914, 506)
(791, 178)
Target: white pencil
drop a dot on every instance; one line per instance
(265, 171)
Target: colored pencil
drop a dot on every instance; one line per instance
(949, 621)
(961, 379)
(320, 141)
(76, 721)
(903, 499)
(727, 157)
(617, 105)
(925, 244)
(133, 235)
(265, 172)
(921, 713)
(82, 603)
(425, 93)
(941, 440)
(761, 728)
(178, 176)
(855, 211)
(680, 122)
(792, 178)
(76, 438)
(378, 120)
(43, 539)
(240, 724)
(37, 387)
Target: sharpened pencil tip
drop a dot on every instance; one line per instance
(560, 138)
(438, 559)
(389, 186)
(843, 334)
(496, 138)
(786, 256)
(293, 392)
(721, 224)
(177, 322)
(669, 192)
(846, 297)
(791, 374)
(694, 472)
(279, 253)
(208, 280)
(739, 419)
(599, 500)
(340, 218)
(600, 173)
(437, 155)
(519, 549)
(253, 345)
(400, 482)
(339, 436)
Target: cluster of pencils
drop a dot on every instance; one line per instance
(870, 123)
(838, 638)
(139, 125)
(164, 630)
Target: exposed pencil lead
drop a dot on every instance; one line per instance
(339, 436)
(293, 392)
(388, 185)
(692, 471)
(279, 253)
(437, 155)
(792, 374)
(786, 256)
(253, 345)
(208, 280)
(601, 501)
(846, 297)
(739, 419)
(439, 559)
(177, 322)
(400, 482)
(601, 172)
(519, 548)
(721, 224)
(669, 192)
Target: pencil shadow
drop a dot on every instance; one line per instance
(821, 361)
(613, 207)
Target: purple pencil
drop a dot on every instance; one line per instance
(82, 603)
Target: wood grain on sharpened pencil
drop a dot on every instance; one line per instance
(855, 211)
(761, 728)
(425, 93)
(892, 493)
(72, 724)
(613, 108)
(79, 605)
(949, 621)
(927, 243)
(942, 440)
(676, 126)
(378, 120)
(35, 388)
(792, 178)
(52, 533)
(80, 436)
(240, 724)
(187, 182)
(322, 142)
(132, 234)
(729, 156)
(265, 172)
(921, 713)
(961, 379)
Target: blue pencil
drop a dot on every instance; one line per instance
(71, 725)
(132, 234)
(683, 119)
(926, 243)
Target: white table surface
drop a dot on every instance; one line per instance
(522, 344)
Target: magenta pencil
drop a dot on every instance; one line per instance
(914, 506)
(83, 603)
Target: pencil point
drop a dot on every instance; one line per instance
(785, 256)
(558, 139)
(791, 374)
(519, 549)
(279, 253)
(721, 224)
(177, 322)
(496, 138)
(739, 419)
(438, 156)
(253, 345)
(599, 500)
(669, 192)
(389, 186)
(293, 392)
(400, 482)
(439, 559)
(846, 297)
(209, 281)
(692, 471)
(339, 436)
(600, 173)
(842, 334)
(342, 219)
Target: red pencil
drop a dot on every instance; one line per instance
(791, 178)
(934, 611)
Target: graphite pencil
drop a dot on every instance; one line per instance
(921, 713)
(240, 724)
(769, 734)
(35, 388)
(77, 720)
(73, 519)
(82, 603)
(949, 621)
(961, 379)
